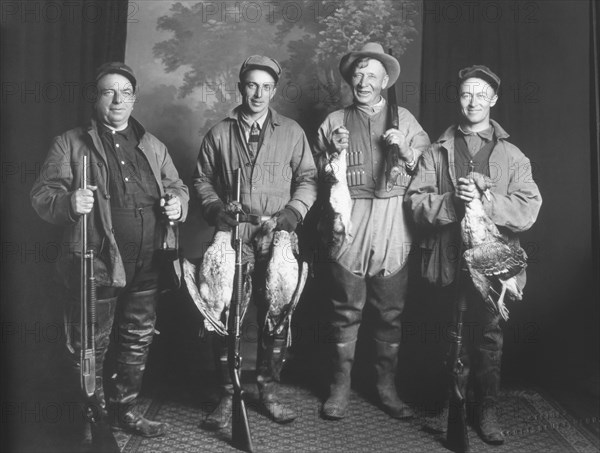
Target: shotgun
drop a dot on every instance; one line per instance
(393, 159)
(457, 438)
(88, 305)
(241, 438)
(102, 437)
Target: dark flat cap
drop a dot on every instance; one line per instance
(371, 50)
(116, 67)
(264, 63)
(480, 72)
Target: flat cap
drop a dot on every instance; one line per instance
(116, 67)
(480, 72)
(261, 62)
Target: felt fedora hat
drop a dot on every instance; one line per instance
(371, 50)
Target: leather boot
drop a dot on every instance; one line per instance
(488, 423)
(220, 417)
(271, 357)
(488, 384)
(126, 418)
(385, 367)
(487, 380)
(136, 316)
(339, 391)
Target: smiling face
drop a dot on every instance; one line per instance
(115, 100)
(369, 77)
(477, 98)
(258, 89)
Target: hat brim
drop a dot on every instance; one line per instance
(392, 66)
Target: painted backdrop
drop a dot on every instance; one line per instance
(187, 56)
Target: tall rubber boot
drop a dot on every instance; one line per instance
(348, 294)
(339, 391)
(220, 417)
(387, 294)
(271, 357)
(386, 366)
(136, 317)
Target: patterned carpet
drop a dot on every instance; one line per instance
(531, 423)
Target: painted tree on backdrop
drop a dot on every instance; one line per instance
(307, 36)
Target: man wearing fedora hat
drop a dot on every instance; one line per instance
(372, 268)
(278, 181)
(133, 188)
(437, 198)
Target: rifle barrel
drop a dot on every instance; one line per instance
(241, 437)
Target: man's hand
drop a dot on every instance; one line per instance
(217, 215)
(467, 190)
(395, 137)
(171, 206)
(288, 219)
(82, 200)
(340, 139)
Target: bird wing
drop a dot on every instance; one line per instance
(189, 273)
(285, 279)
(496, 259)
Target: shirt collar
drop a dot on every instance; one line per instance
(486, 134)
(127, 133)
(372, 109)
(247, 123)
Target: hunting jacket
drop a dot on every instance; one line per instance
(513, 206)
(61, 175)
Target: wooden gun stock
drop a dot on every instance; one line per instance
(241, 437)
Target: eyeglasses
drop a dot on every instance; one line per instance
(126, 93)
(266, 87)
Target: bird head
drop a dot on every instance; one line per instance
(483, 182)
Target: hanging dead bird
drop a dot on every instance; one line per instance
(285, 276)
(490, 259)
(335, 226)
(210, 284)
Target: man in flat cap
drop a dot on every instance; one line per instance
(437, 197)
(133, 190)
(373, 267)
(278, 180)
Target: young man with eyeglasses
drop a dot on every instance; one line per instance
(278, 180)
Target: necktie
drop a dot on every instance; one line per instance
(253, 140)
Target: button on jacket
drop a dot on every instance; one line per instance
(281, 174)
(513, 206)
(61, 175)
